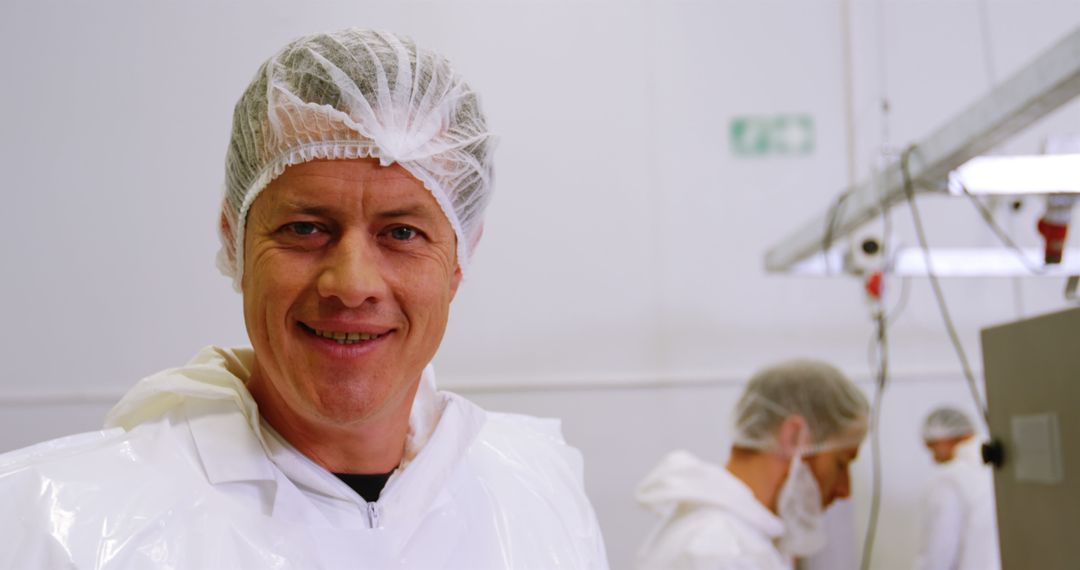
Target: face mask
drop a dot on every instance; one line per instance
(799, 507)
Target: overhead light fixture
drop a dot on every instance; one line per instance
(1017, 175)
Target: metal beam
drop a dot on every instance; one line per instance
(1045, 84)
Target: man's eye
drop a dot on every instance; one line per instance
(403, 233)
(302, 228)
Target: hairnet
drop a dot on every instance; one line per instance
(834, 409)
(357, 94)
(946, 422)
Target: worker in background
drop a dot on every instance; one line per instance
(356, 179)
(798, 427)
(959, 528)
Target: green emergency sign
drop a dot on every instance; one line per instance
(772, 135)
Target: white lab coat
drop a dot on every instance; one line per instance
(959, 526)
(710, 520)
(189, 477)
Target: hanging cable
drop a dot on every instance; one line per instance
(883, 76)
(909, 192)
(881, 367)
(987, 43)
(988, 217)
(875, 442)
(831, 221)
(901, 302)
(1017, 281)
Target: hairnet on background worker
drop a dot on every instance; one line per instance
(834, 410)
(946, 422)
(797, 427)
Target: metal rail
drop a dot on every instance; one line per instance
(1045, 84)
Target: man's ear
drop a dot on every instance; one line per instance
(792, 435)
(223, 224)
(225, 228)
(455, 280)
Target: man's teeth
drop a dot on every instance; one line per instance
(346, 338)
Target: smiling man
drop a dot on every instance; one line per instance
(350, 268)
(798, 427)
(357, 175)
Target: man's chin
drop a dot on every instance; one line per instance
(343, 404)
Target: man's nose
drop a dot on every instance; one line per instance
(352, 272)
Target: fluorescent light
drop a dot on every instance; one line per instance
(1039, 174)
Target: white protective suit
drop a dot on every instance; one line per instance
(711, 520)
(188, 477)
(959, 525)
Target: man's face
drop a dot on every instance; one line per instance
(349, 270)
(831, 469)
(945, 449)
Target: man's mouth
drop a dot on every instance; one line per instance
(342, 337)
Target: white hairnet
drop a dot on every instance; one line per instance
(946, 422)
(835, 410)
(357, 94)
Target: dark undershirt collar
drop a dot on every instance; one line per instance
(367, 486)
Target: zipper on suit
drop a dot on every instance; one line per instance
(373, 514)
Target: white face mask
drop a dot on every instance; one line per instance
(799, 506)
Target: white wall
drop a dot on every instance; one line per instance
(619, 284)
